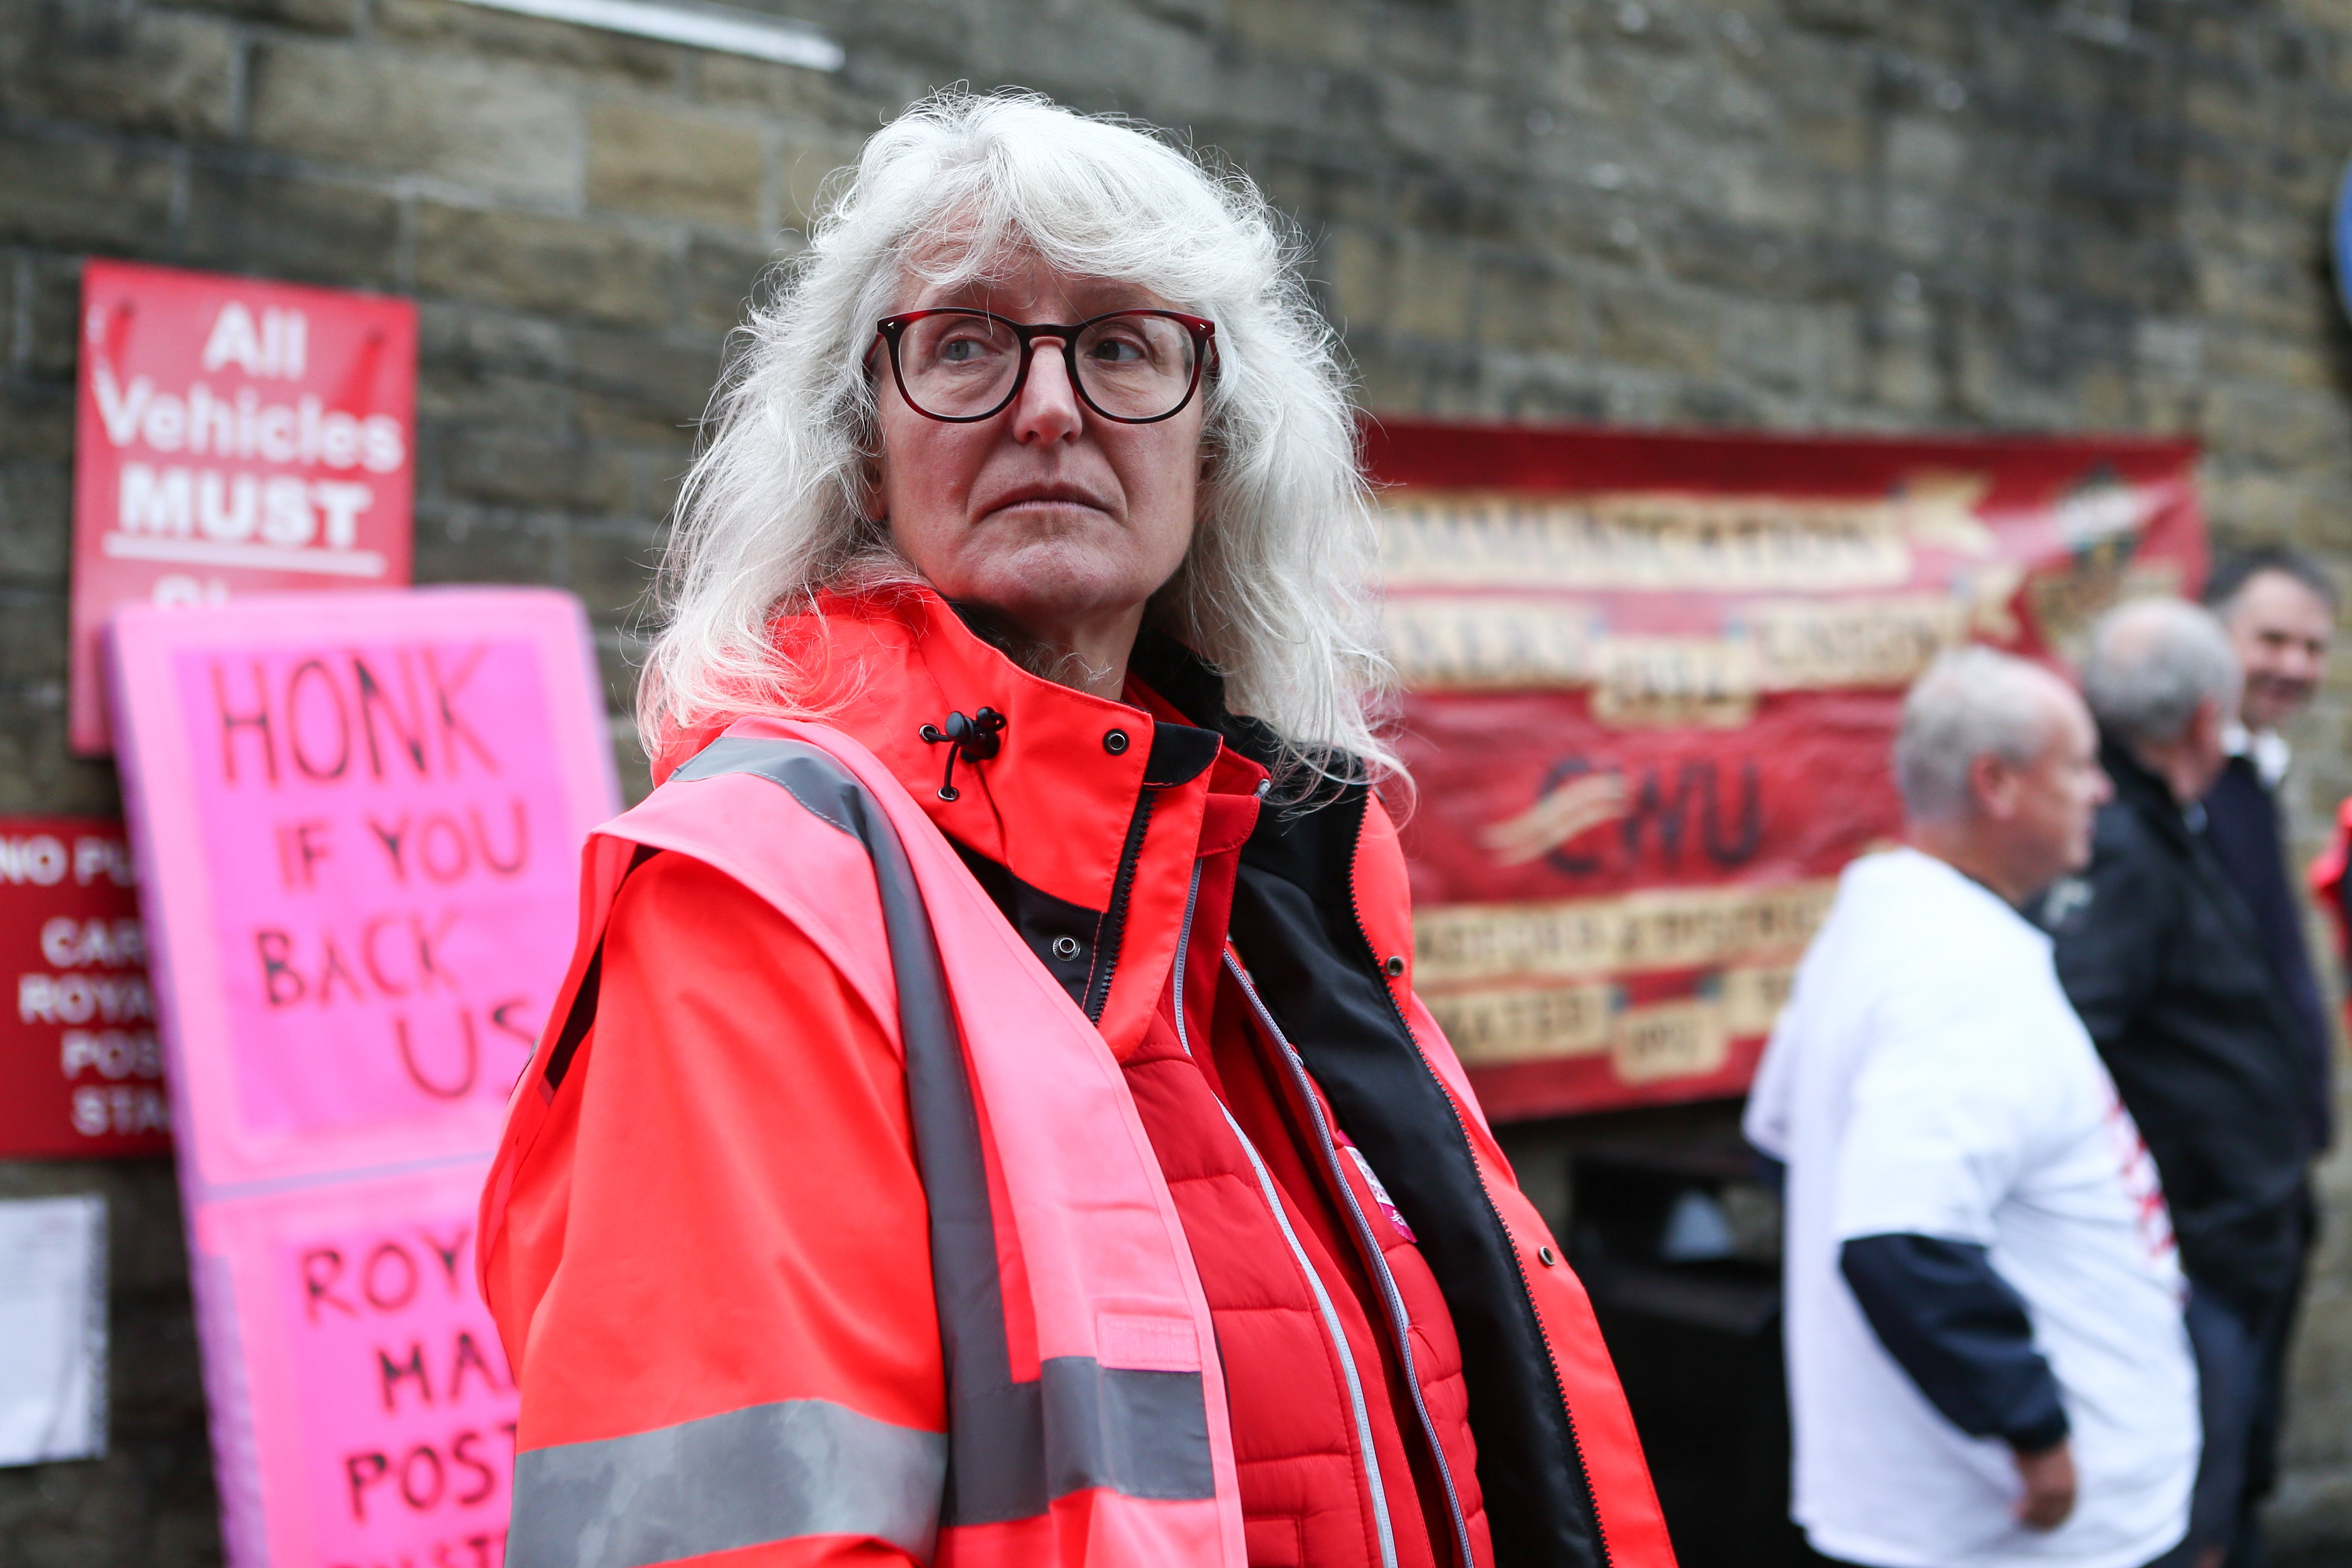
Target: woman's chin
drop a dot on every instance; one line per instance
(1043, 590)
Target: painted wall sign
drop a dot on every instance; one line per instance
(357, 819)
(1652, 684)
(80, 1074)
(232, 436)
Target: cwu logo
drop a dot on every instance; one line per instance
(1660, 815)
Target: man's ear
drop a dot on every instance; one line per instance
(2206, 725)
(1992, 785)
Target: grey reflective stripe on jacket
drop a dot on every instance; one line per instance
(743, 1478)
(1011, 1447)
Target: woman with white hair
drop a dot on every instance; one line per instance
(990, 1117)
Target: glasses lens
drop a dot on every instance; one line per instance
(958, 365)
(1135, 366)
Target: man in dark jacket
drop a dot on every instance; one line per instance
(2167, 967)
(2279, 607)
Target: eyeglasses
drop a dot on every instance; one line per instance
(1137, 367)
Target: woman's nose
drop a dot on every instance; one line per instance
(1047, 408)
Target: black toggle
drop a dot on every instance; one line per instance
(974, 739)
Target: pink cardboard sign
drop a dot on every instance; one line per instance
(232, 435)
(357, 819)
(372, 1413)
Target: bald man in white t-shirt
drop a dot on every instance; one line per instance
(1987, 1360)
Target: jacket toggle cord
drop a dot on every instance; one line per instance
(974, 739)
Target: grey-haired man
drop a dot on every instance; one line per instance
(2166, 963)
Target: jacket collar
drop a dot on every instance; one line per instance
(2138, 789)
(1085, 821)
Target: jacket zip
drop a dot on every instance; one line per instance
(1183, 941)
(1392, 1298)
(1551, 1361)
(1380, 1525)
(1114, 922)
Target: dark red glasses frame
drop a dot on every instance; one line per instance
(891, 328)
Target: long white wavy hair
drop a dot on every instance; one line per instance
(1277, 590)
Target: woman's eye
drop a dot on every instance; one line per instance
(1118, 350)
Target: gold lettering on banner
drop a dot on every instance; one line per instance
(1640, 540)
(1491, 640)
(1488, 1028)
(1462, 946)
(1752, 999)
(1668, 541)
(1811, 646)
(1669, 1040)
(1444, 641)
(1709, 681)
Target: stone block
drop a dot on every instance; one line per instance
(47, 325)
(37, 419)
(1925, 152)
(790, 93)
(1525, 308)
(77, 195)
(642, 390)
(35, 520)
(170, 73)
(471, 396)
(2274, 359)
(473, 32)
(610, 565)
(1638, 324)
(1430, 295)
(458, 541)
(2278, 425)
(675, 163)
(309, 15)
(241, 219)
(503, 130)
(595, 271)
(807, 159)
(467, 335)
(508, 470)
(721, 279)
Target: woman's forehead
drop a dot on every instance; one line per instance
(1018, 285)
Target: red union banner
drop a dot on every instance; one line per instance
(1652, 682)
(79, 1072)
(232, 436)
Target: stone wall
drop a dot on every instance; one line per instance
(1916, 215)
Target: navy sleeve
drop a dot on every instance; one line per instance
(1962, 1334)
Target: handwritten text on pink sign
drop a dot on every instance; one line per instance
(408, 1410)
(389, 833)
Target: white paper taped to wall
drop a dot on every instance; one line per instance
(52, 1329)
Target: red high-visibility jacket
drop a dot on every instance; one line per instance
(1035, 1156)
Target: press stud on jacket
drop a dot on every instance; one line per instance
(934, 1179)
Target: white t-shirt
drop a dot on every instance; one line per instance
(1927, 1076)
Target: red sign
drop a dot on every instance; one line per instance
(80, 1073)
(1652, 683)
(232, 436)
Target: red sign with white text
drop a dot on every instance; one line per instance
(232, 436)
(1652, 685)
(79, 1072)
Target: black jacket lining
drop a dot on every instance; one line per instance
(1295, 924)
